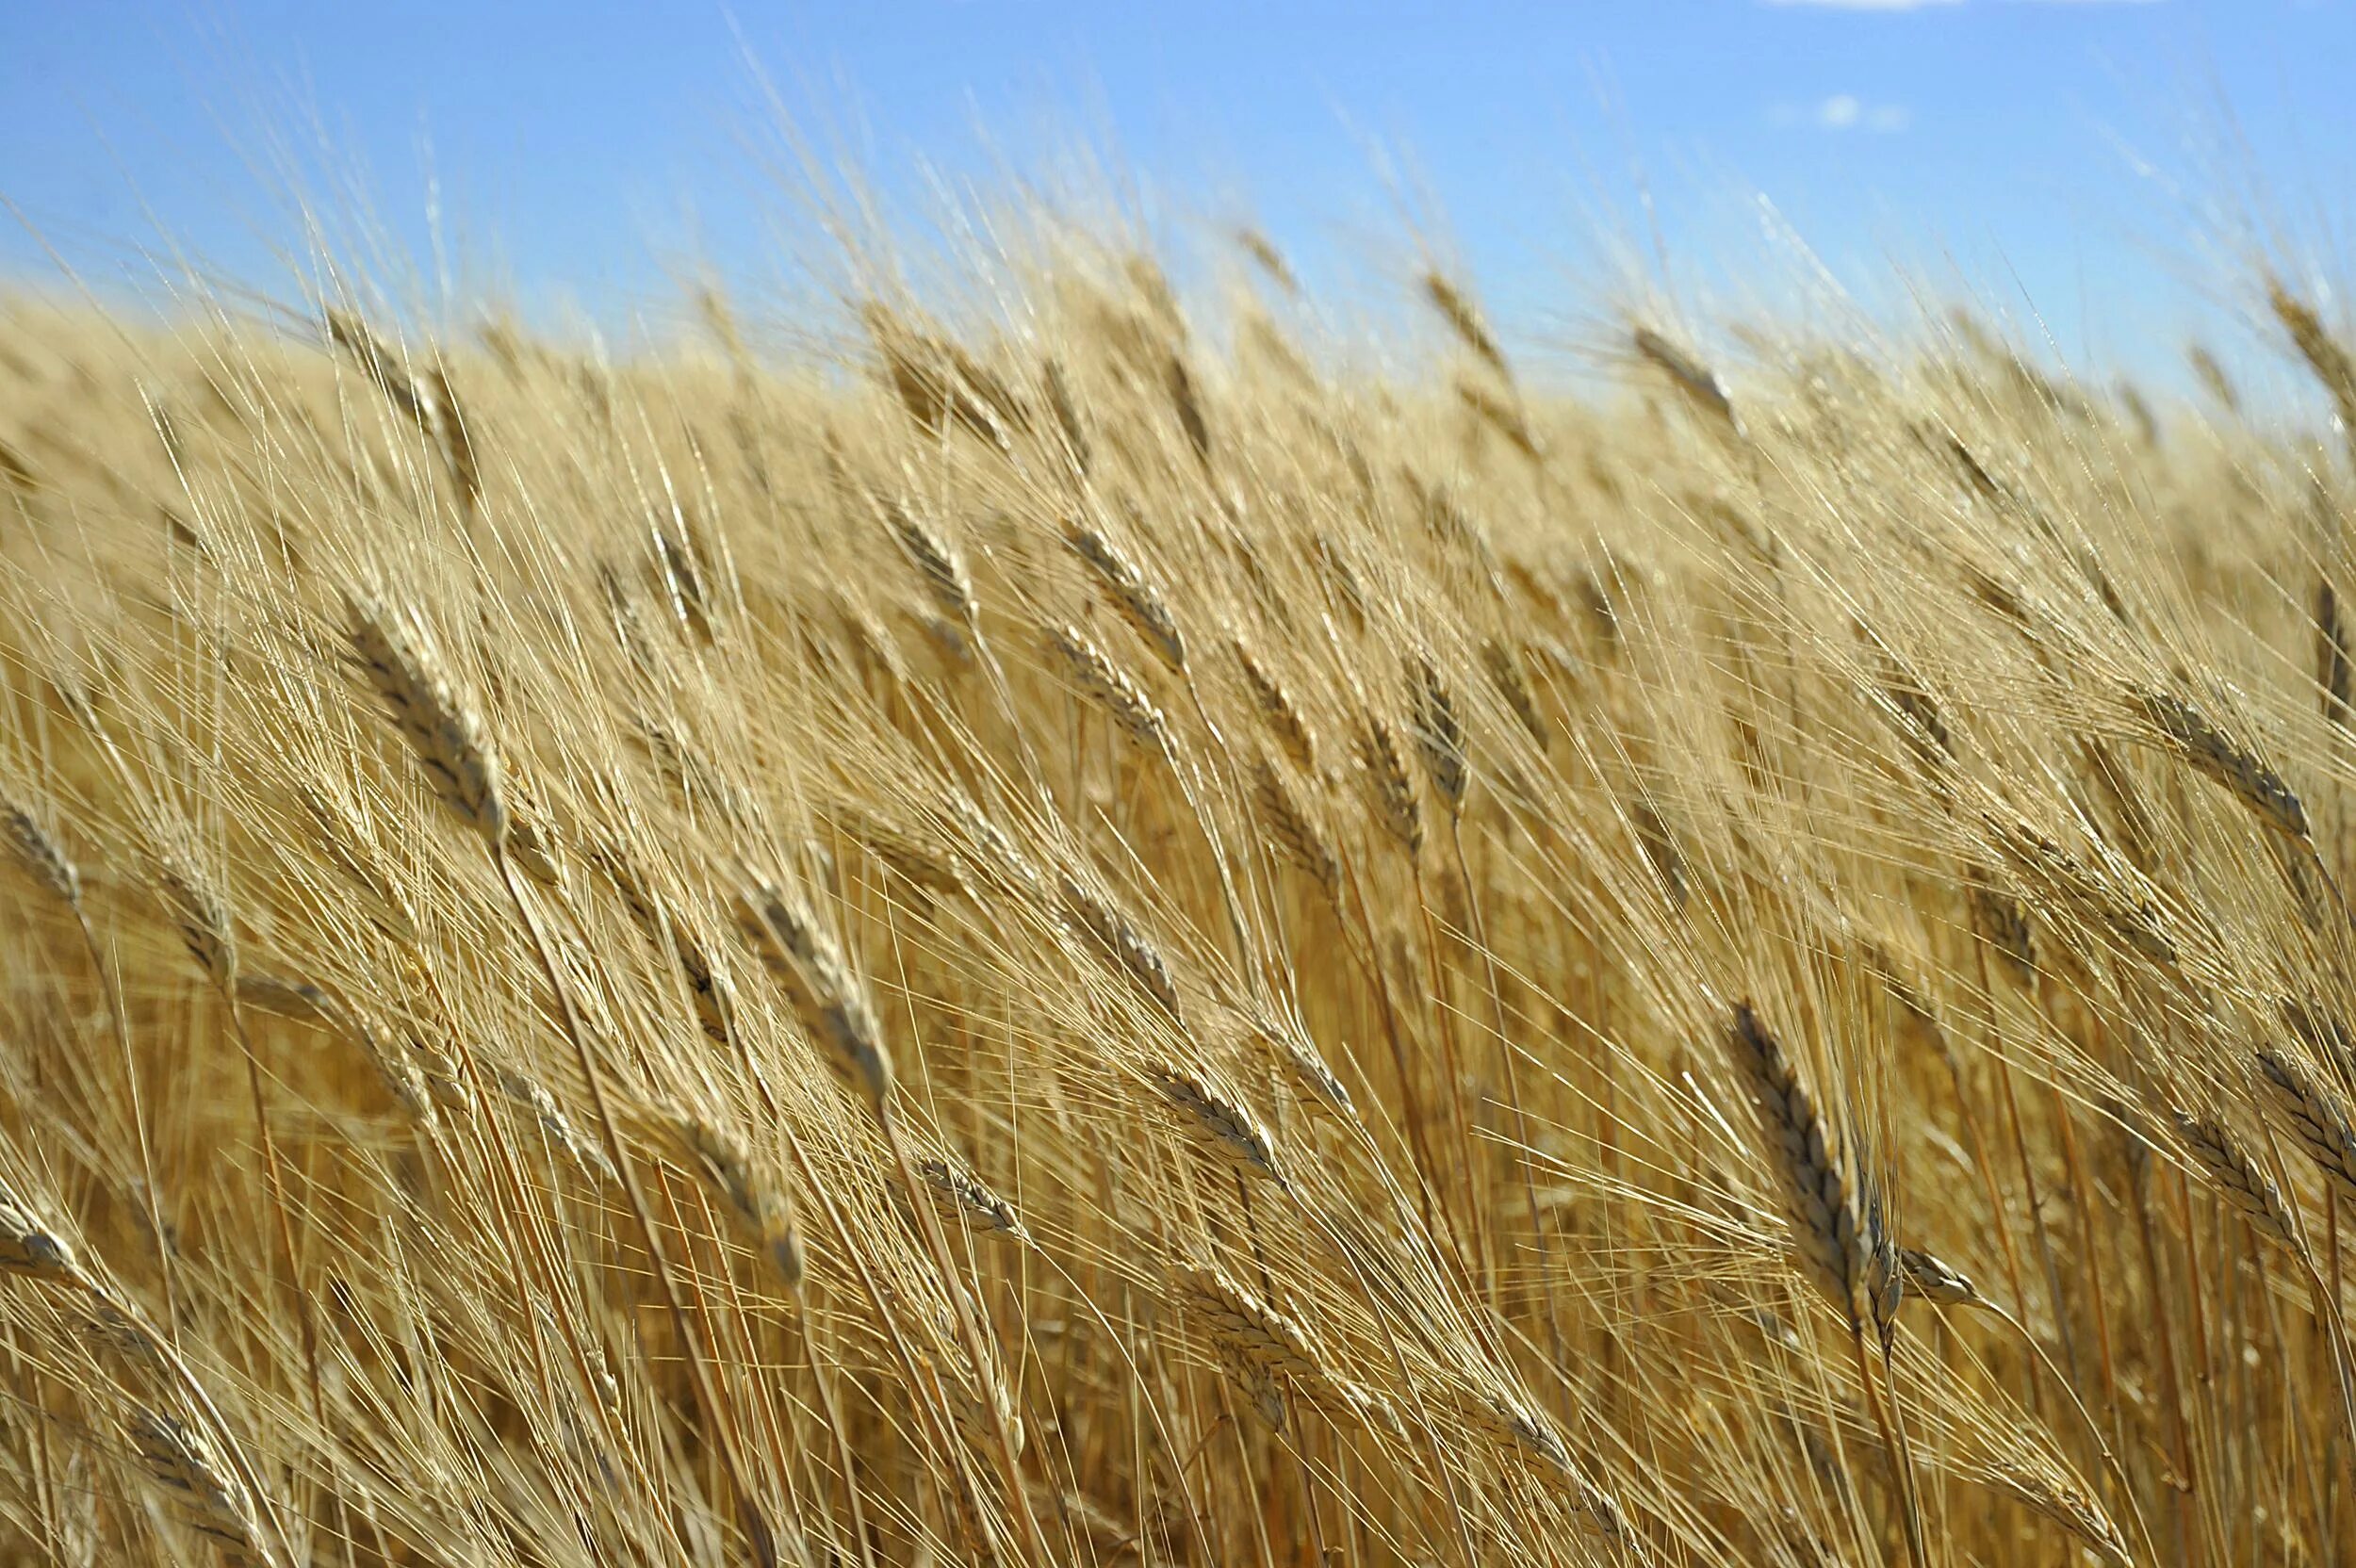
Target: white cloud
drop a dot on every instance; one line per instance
(1843, 111)
(1867, 5)
(1926, 5)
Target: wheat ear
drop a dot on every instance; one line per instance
(456, 756)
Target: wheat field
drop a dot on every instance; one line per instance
(1042, 928)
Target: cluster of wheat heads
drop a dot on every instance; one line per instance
(1053, 939)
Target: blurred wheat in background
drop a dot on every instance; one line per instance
(1055, 932)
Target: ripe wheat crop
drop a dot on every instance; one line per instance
(1054, 931)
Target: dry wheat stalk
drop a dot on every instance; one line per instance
(1463, 319)
(710, 990)
(936, 380)
(2314, 1114)
(1439, 731)
(914, 860)
(335, 830)
(1302, 1062)
(1186, 402)
(1261, 1339)
(528, 846)
(37, 850)
(1660, 852)
(199, 917)
(2325, 357)
(2335, 672)
(445, 1078)
(1936, 1280)
(558, 1128)
(404, 1078)
(937, 565)
(1288, 826)
(1503, 665)
(1698, 382)
(971, 1200)
(2112, 899)
(1500, 416)
(1509, 1418)
(1066, 408)
(2000, 921)
(2067, 1505)
(995, 856)
(30, 1248)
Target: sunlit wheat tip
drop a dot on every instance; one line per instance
(1389, 790)
(2326, 357)
(2315, 1115)
(29, 1246)
(1136, 599)
(37, 851)
(966, 1199)
(1439, 731)
(2208, 750)
(1219, 1121)
(1698, 382)
(1463, 319)
(2067, 1505)
(825, 995)
(1503, 666)
(937, 565)
(426, 708)
(1086, 668)
(181, 1459)
(1277, 709)
(308, 1003)
(727, 1166)
(2234, 1174)
(199, 916)
(584, 1155)
(1256, 1337)
(1289, 827)
(1116, 940)
(1801, 1150)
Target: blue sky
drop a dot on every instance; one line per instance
(598, 146)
